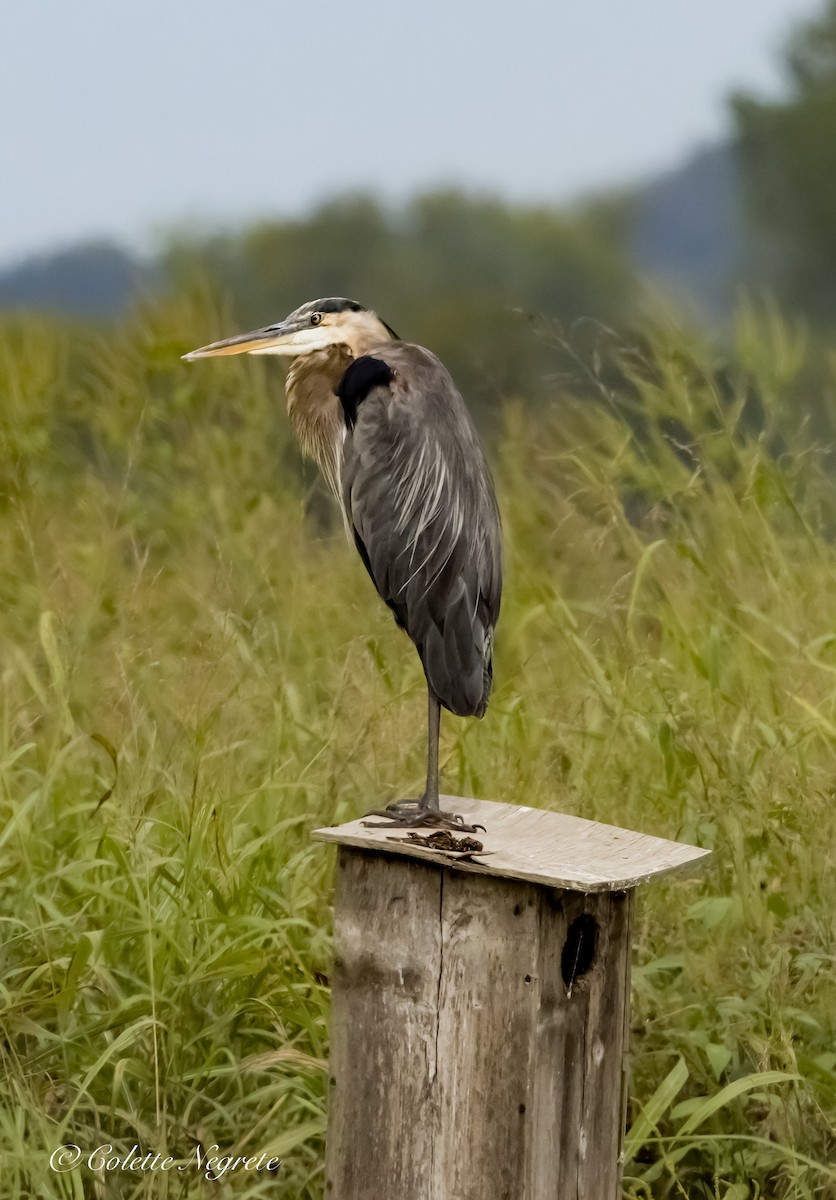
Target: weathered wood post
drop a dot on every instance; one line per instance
(481, 1009)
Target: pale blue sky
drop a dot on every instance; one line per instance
(125, 118)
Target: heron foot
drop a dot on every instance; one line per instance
(415, 814)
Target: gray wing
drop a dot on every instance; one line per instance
(419, 498)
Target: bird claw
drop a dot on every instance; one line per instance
(413, 815)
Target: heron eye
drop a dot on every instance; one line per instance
(316, 318)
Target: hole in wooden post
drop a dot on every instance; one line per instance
(578, 949)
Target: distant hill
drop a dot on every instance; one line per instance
(91, 279)
(686, 231)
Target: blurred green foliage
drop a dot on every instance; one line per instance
(196, 672)
(788, 153)
(469, 278)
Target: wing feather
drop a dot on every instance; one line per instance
(418, 496)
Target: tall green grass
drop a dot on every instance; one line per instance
(195, 672)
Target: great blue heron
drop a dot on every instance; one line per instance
(395, 443)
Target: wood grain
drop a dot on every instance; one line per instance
(464, 1065)
(542, 847)
(384, 1028)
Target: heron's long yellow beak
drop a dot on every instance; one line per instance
(271, 338)
(289, 339)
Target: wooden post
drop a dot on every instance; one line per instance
(481, 1008)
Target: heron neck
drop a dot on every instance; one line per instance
(314, 407)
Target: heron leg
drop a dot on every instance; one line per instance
(426, 810)
(430, 796)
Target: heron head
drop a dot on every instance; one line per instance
(314, 326)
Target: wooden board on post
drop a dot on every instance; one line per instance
(480, 1009)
